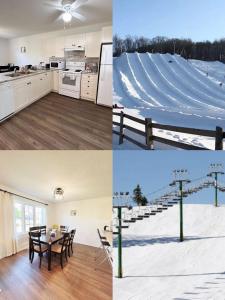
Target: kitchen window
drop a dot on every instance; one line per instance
(27, 215)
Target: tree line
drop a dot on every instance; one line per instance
(206, 50)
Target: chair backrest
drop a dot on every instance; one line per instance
(63, 228)
(100, 236)
(72, 234)
(43, 229)
(34, 228)
(35, 239)
(66, 240)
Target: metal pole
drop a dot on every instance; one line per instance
(181, 212)
(120, 271)
(216, 191)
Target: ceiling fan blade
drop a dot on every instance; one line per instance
(78, 3)
(53, 6)
(78, 16)
(57, 17)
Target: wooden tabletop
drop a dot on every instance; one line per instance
(48, 239)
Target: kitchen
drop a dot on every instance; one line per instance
(56, 75)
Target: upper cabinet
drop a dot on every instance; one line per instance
(75, 41)
(93, 44)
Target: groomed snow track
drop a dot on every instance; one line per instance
(165, 80)
(171, 91)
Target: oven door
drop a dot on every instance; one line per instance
(70, 81)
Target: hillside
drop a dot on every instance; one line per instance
(171, 90)
(157, 266)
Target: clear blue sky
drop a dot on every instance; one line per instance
(153, 170)
(195, 19)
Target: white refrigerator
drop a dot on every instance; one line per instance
(104, 95)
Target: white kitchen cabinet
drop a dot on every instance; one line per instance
(47, 83)
(55, 81)
(75, 41)
(21, 93)
(30, 89)
(92, 44)
(7, 106)
(89, 84)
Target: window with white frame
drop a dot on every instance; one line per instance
(27, 214)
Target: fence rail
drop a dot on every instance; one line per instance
(150, 138)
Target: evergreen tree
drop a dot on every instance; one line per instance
(138, 196)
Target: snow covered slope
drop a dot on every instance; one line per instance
(170, 90)
(157, 266)
(214, 69)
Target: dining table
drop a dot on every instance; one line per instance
(48, 239)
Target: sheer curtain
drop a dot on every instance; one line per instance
(7, 235)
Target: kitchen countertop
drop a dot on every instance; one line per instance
(89, 73)
(4, 78)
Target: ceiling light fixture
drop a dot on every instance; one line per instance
(67, 17)
(58, 194)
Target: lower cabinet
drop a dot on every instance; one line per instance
(89, 86)
(27, 90)
(7, 106)
(55, 81)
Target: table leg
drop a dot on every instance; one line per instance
(49, 256)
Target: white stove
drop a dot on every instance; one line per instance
(70, 79)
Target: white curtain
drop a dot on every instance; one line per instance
(7, 235)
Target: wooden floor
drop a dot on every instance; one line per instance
(57, 122)
(21, 280)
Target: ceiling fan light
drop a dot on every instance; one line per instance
(67, 17)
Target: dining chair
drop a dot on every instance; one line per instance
(107, 248)
(70, 246)
(61, 249)
(43, 229)
(34, 228)
(63, 228)
(36, 246)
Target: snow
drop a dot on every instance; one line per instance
(171, 90)
(156, 266)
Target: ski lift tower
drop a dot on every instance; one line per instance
(121, 202)
(214, 171)
(180, 178)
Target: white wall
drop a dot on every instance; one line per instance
(37, 45)
(4, 51)
(91, 214)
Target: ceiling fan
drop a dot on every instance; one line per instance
(67, 9)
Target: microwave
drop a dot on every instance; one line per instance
(57, 64)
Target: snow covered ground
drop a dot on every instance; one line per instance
(171, 90)
(156, 266)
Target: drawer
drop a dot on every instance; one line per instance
(90, 95)
(89, 87)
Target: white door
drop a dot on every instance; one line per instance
(6, 101)
(105, 86)
(106, 58)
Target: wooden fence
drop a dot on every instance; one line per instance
(150, 138)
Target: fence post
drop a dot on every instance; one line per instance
(121, 127)
(149, 133)
(219, 139)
